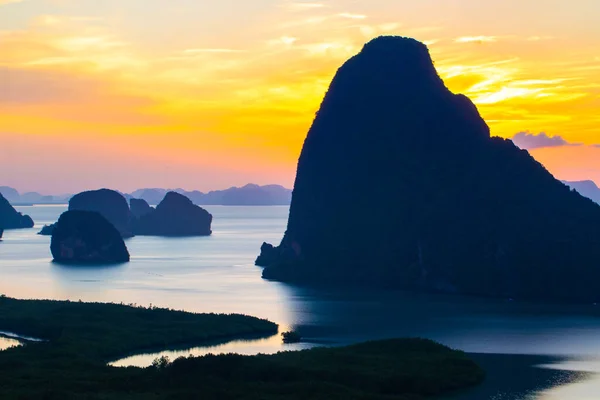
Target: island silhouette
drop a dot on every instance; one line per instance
(11, 218)
(87, 237)
(399, 184)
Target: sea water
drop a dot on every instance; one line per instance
(531, 351)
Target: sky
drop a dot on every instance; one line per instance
(210, 94)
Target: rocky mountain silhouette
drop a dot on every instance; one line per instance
(176, 215)
(109, 203)
(399, 184)
(11, 218)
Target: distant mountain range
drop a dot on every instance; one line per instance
(249, 195)
(586, 188)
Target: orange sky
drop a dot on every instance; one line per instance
(203, 95)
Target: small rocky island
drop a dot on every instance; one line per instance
(47, 230)
(111, 204)
(400, 184)
(176, 215)
(86, 237)
(11, 218)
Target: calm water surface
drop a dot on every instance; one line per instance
(531, 352)
(7, 343)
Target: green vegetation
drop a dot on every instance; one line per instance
(82, 337)
(106, 331)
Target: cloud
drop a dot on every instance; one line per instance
(352, 16)
(284, 40)
(476, 39)
(538, 38)
(3, 2)
(297, 6)
(529, 141)
(199, 51)
(28, 95)
(22, 86)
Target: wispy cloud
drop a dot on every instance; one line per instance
(3, 2)
(352, 16)
(89, 43)
(476, 39)
(506, 93)
(50, 20)
(211, 50)
(300, 6)
(538, 38)
(283, 40)
(529, 141)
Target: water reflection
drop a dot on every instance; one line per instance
(268, 345)
(7, 343)
(584, 388)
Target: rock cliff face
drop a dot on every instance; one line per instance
(85, 237)
(11, 219)
(400, 184)
(109, 203)
(176, 215)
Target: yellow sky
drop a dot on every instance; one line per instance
(204, 95)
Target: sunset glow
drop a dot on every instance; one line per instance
(210, 94)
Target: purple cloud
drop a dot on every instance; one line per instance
(528, 141)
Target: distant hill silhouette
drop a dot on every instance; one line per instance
(86, 237)
(249, 195)
(11, 218)
(399, 184)
(176, 215)
(15, 198)
(152, 196)
(109, 203)
(9, 193)
(588, 189)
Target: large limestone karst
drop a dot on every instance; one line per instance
(109, 203)
(399, 184)
(86, 237)
(175, 215)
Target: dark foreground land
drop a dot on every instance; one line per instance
(82, 337)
